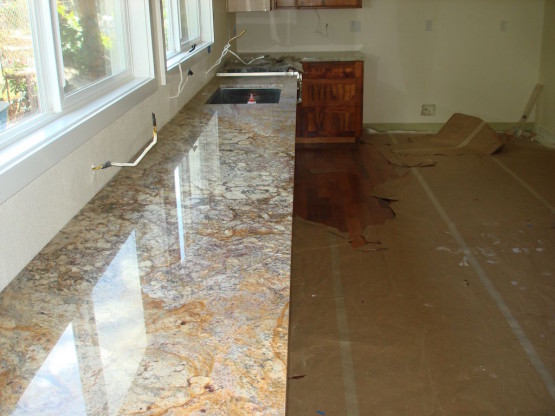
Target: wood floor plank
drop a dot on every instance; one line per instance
(333, 184)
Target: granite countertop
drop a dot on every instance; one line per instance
(337, 56)
(343, 56)
(278, 62)
(169, 292)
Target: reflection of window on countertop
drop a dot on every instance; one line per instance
(120, 323)
(60, 385)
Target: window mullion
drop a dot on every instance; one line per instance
(46, 44)
(176, 26)
(124, 33)
(191, 14)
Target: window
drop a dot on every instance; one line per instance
(181, 25)
(67, 65)
(18, 75)
(93, 42)
(187, 27)
(87, 51)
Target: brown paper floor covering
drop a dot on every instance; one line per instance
(411, 328)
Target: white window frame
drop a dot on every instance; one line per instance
(65, 123)
(100, 87)
(174, 30)
(169, 61)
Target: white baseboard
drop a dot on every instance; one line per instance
(545, 136)
(434, 127)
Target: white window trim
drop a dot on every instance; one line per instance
(168, 64)
(51, 139)
(187, 57)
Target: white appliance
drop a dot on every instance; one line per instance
(248, 5)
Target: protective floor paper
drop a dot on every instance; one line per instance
(410, 328)
(462, 134)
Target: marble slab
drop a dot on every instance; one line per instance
(322, 56)
(169, 292)
(338, 56)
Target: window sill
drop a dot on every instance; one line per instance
(188, 58)
(28, 158)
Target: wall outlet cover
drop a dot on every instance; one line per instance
(355, 26)
(428, 110)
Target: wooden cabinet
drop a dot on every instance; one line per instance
(331, 108)
(313, 4)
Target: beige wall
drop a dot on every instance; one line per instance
(465, 64)
(545, 123)
(33, 216)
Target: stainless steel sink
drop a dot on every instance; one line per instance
(231, 95)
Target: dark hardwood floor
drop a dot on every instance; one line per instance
(333, 185)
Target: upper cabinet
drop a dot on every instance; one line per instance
(320, 4)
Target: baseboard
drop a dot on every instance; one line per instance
(434, 127)
(545, 136)
(428, 127)
(511, 126)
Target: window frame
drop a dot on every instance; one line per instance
(203, 42)
(29, 149)
(101, 86)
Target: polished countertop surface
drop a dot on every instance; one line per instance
(169, 292)
(322, 56)
(339, 56)
(278, 62)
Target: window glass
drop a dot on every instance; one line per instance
(190, 27)
(58, 56)
(181, 25)
(18, 75)
(168, 12)
(92, 37)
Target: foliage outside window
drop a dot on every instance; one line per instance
(91, 46)
(18, 75)
(91, 40)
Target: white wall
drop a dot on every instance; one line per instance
(465, 64)
(546, 107)
(33, 216)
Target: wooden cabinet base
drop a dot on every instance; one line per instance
(331, 107)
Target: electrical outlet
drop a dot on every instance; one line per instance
(503, 26)
(428, 110)
(355, 26)
(429, 26)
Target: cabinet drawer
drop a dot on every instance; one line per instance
(330, 93)
(330, 122)
(330, 70)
